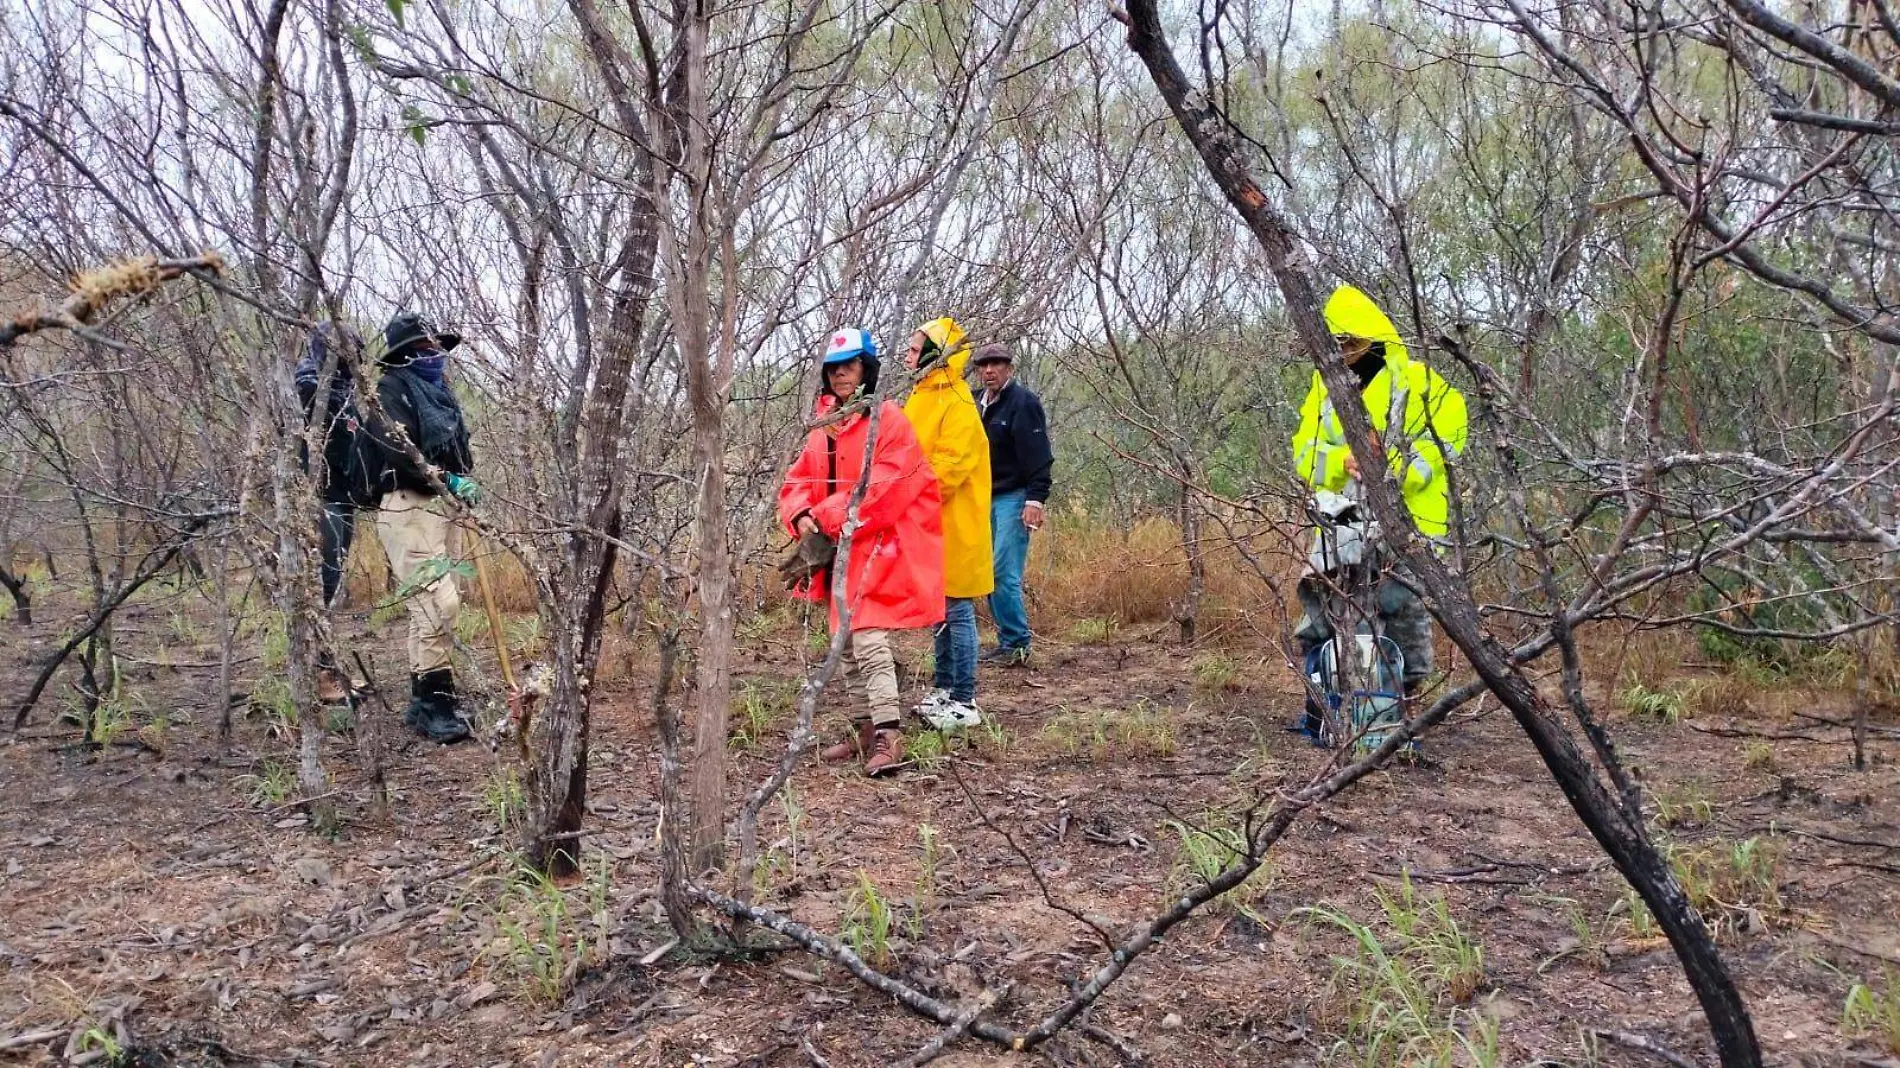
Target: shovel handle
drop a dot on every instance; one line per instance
(488, 605)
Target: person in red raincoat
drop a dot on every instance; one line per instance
(895, 577)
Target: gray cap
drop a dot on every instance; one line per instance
(991, 353)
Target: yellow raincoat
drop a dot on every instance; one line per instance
(1434, 425)
(950, 429)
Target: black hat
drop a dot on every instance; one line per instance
(408, 328)
(994, 352)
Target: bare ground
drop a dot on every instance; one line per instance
(151, 897)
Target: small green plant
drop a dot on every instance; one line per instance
(1096, 631)
(1216, 671)
(927, 750)
(524, 636)
(1642, 923)
(1452, 959)
(1145, 730)
(100, 1039)
(1667, 707)
(471, 625)
(270, 697)
(1874, 1014)
(1683, 806)
(339, 719)
(1758, 756)
(185, 630)
(269, 785)
(1588, 947)
(760, 708)
(794, 809)
(868, 922)
(759, 626)
(992, 736)
(818, 642)
(1388, 1004)
(504, 799)
(1209, 849)
(1732, 885)
(546, 944)
(276, 642)
(109, 721)
(929, 856)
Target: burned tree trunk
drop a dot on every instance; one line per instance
(1622, 839)
(558, 777)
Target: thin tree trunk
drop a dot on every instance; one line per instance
(1189, 614)
(22, 596)
(1627, 845)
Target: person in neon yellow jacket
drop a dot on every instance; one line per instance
(1431, 429)
(950, 430)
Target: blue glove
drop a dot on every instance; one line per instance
(465, 489)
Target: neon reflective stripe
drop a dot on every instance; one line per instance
(1320, 457)
(1423, 469)
(1301, 454)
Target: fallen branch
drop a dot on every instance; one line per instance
(148, 569)
(1737, 732)
(1645, 1044)
(934, 1048)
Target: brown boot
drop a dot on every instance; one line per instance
(887, 752)
(331, 687)
(853, 746)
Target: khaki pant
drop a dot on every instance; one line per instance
(414, 530)
(876, 675)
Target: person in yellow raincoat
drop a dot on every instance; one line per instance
(950, 430)
(1430, 430)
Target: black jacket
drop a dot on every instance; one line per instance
(432, 418)
(1020, 456)
(348, 455)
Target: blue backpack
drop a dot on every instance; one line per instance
(1377, 704)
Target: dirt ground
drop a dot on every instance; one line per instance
(163, 908)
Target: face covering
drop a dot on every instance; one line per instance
(430, 364)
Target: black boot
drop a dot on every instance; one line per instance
(416, 715)
(440, 719)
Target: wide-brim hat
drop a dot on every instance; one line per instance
(409, 328)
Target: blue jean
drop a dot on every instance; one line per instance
(956, 649)
(1009, 541)
(336, 528)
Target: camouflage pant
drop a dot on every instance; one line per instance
(1402, 616)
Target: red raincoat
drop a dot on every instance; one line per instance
(896, 579)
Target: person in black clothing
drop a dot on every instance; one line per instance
(415, 526)
(1020, 464)
(341, 486)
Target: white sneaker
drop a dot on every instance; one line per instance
(932, 701)
(952, 716)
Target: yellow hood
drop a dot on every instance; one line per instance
(948, 336)
(1350, 311)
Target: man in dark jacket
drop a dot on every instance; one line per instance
(1020, 464)
(416, 528)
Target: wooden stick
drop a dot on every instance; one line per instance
(488, 605)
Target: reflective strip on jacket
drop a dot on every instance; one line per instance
(1433, 420)
(896, 576)
(950, 430)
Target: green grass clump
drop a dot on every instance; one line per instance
(1216, 671)
(1874, 1014)
(1399, 996)
(1209, 848)
(869, 920)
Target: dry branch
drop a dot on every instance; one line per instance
(95, 289)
